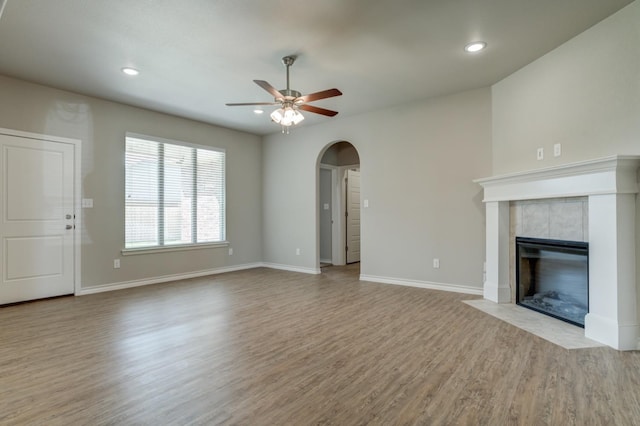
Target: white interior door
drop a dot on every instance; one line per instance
(37, 209)
(353, 215)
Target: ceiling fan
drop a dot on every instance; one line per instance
(291, 101)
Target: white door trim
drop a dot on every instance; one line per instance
(333, 171)
(77, 191)
(337, 237)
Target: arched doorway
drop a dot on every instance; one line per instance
(338, 204)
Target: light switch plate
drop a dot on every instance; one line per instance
(87, 203)
(557, 150)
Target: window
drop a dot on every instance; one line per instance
(174, 194)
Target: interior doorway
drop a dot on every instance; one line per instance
(338, 205)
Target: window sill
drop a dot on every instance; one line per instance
(150, 250)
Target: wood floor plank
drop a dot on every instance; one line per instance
(266, 347)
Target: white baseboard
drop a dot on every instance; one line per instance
(174, 277)
(496, 293)
(610, 332)
(290, 268)
(165, 278)
(456, 288)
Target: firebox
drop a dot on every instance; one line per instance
(552, 277)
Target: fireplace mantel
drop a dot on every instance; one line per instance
(611, 185)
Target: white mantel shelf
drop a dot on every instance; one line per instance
(611, 185)
(608, 175)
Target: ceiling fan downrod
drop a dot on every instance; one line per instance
(288, 61)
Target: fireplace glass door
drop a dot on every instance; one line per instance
(552, 277)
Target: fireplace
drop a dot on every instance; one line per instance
(611, 186)
(552, 277)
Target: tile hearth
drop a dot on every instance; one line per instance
(555, 331)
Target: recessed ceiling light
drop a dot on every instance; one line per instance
(258, 111)
(130, 71)
(474, 47)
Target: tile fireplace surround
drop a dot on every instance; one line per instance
(610, 185)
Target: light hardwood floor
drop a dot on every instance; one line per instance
(265, 347)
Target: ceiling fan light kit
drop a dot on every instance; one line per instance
(291, 101)
(287, 116)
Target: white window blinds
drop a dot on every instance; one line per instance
(174, 195)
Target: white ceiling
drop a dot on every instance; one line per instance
(196, 55)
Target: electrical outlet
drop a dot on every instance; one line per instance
(557, 150)
(540, 154)
(230, 251)
(436, 263)
(297, 252)
(116, 263)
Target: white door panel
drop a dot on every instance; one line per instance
(37, 229)
(21, 253)
(38, 195)
(353, 216)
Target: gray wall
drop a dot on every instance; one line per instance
(417, 164)
(324, 188)
(341, 154)
(101, 127)
(584, 95)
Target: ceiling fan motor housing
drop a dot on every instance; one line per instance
(290, 94)
(289, 60)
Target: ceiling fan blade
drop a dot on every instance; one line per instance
(318, 110)
(320, 95)
(269, 88)
(254, 103)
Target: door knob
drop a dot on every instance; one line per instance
(69, 227)
(68, 216)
